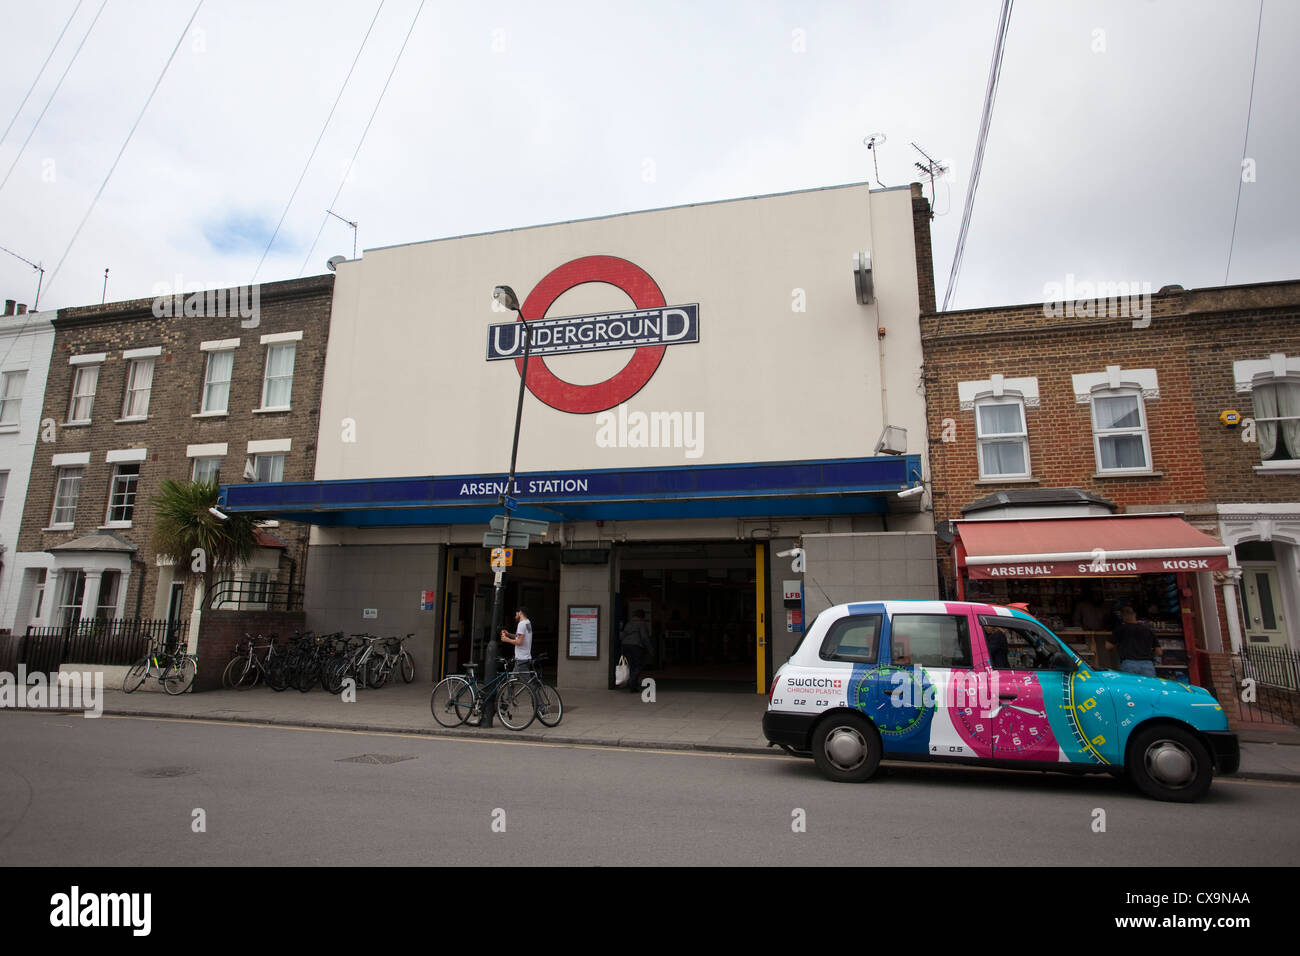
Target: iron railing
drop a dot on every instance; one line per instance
(238, 595)
(97, 641)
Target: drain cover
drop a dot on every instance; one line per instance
(376, 758)
(166, 772)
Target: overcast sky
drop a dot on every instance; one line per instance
(1114, 154)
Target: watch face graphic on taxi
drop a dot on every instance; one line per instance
(1089, 725)
(1014, 725)
(899, 706)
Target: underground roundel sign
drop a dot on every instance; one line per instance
(647, 330)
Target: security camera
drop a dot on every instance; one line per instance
(911, 492)
(792, 553)
(217, 513)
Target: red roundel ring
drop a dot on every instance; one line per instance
(619, 387)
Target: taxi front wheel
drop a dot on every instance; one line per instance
(846, 748)
(1170, 763)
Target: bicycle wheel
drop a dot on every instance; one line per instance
(236, 672)
(334, 675)
(516, 704)
(376, 674)
(277, 675)
(179, 676)
(408, 667)
(550, 709)
(452, 701)
(136, 675)
(308, 675)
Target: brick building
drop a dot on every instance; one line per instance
(1070, 426)
(214, 386)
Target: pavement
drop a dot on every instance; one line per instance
(674, 720)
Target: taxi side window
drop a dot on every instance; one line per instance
(855, 638)
(1018, 645)
(929, 640)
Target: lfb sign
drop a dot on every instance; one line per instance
(648, 329)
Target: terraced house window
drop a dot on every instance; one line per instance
(216, 384)
(121, 498)
(139, 383)
(1119, 428)
(83, 394)
(1001, 438)
(278, 384)
(268, 467)
(1277, 421)
(67, 490)
(207, 470)
(11, 396)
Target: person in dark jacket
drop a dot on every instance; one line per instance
(1136, 644)
(636, 643)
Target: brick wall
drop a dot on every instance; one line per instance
(177, 387)
(1192, 341)
(220, 632)
(924, 254)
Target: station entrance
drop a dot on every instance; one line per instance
(533, 581)
(700, 601)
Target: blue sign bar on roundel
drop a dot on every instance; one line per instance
(669, 325)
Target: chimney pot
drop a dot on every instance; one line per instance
(22, 308)
(9, 306)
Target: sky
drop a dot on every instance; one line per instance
(1115, 151)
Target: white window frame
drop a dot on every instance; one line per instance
(257, 466)
(1099, 434)
(109, 520)
(64, 473)
(136, 371)
(208, 383)
(4, 487)
(194, 470)
(982, 440)
(15, 400)
(1281, 464)
(80, 392)
(267, 378)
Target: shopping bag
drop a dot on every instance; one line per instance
(622, 672)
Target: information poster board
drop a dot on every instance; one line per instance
(584, 632)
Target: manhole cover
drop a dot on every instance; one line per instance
(376, 758)
(166, 772)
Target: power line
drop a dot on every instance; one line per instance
(356, 152)
(990, 93)
(312, 156)
(53, 94)
(40, 72)
(126, 142)
(1240, 169)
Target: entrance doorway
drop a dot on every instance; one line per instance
(699, 600)
(533, 581)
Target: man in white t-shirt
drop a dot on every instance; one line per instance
(523, 640)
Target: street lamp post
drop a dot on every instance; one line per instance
(505, 295)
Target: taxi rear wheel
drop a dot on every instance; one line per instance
(1170, 763)
(846, 748)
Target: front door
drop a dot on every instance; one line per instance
(1265, 620)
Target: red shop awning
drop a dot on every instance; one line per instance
(1103, 546)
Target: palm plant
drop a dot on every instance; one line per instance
(184, 523)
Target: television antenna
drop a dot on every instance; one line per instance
(872, 141)
(40, 279)
(350, 223)
(932, 168)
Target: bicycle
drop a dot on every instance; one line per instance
(460, 697)
(394, 657)
(550, 708)
(246, 668)
(175, 671)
